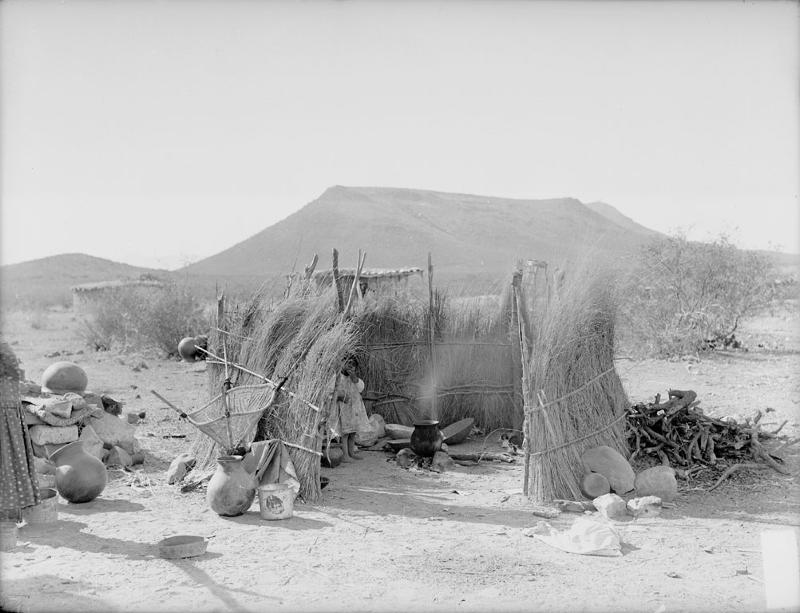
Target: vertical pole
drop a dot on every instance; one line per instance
(431, 332)
(336, 284)
(519, 300)
(515, 356)
(221, 311)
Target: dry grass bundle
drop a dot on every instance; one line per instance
(300, 341)
(573, 363)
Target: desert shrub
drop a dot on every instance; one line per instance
(136, 319)
(689, 296)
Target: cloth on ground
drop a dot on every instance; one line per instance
(585, 536)
(270, 462)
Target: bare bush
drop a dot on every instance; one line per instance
(689, 296)
(134, 319)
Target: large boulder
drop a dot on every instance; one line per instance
(113, 431)
(657, 481)
(594, 485)
(63, 377)
(612, 466)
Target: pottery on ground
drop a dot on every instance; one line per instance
(80, 477)
(231, 489)
(63, 377)
(426, 439)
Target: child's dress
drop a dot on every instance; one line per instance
(348, 413)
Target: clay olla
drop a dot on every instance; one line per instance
(80, 477)
(63, 377)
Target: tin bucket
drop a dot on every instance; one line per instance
(8, 535)
(46, 512)
(275, 501)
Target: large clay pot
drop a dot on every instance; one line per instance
(80, 477)
(63, 377)
(232, 489)
(426, 439)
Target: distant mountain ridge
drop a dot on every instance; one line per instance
(48, 280)
(398, 226)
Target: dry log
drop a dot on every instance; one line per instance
(482, 457)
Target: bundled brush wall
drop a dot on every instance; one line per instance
(492, 358)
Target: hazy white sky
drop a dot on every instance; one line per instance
(155, 133)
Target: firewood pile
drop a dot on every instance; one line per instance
(679, 434)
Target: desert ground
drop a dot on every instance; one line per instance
(389, 539)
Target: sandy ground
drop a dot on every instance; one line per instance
(390, 539)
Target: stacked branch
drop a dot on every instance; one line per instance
(680, 435)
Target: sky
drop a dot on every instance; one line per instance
(158, 133)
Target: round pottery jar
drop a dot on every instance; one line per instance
(426, 439)
(231, 489)
(80, 477)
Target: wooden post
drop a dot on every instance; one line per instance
(353, 288)
(431, 339)
(309, 270)
(519, 300)
(515, 354)
(221, 311)
(339, 296)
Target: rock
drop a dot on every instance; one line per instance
(657, 481)
(92, 443)
(612, 465)
(378, 424)
(610, 506)
(574, 506)
(405, 458)
(63, 377)
(92, 399)
(113, 431)
(53, 435)
(367, 438)
(594, 485)
(441, 462)
(179, 467)
(118, 456)
(43, 467)
(646, 506)
(31, 419)
(138, 458)
(78, 403)
(396, 431)
(29, 388)
(110, 405)
(60, 407)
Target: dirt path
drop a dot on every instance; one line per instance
(388, 539)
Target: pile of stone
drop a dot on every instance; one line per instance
(60, 410)
(609, 477)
